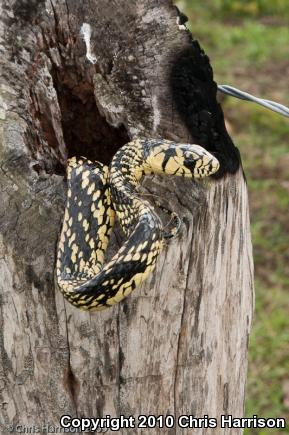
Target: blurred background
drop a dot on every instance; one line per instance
(247, 42)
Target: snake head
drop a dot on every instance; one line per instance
(185, 160)
(199, 161)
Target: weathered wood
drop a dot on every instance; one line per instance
(177, 345)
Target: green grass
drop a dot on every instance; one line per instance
(251, 8)
(248, 44)
(235, 9)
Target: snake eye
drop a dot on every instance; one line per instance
(190, 162)
(189, 155)
(193, 153)
(200, 162)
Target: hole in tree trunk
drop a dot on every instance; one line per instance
(86, 132)
(79, 129)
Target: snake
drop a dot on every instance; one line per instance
(97, 194)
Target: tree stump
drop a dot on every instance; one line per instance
(82, 78)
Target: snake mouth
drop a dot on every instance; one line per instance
(214, 166)
(202, 167)
(208, 169)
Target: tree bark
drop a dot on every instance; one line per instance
(83, 78)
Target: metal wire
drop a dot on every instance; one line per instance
(272, 105)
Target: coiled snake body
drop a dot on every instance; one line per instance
(95, 194)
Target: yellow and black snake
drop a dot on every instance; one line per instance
(95, 194)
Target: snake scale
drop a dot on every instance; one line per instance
(96, 193)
